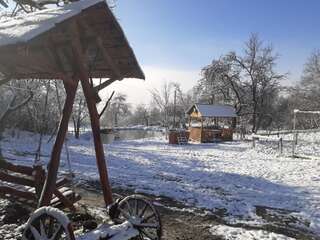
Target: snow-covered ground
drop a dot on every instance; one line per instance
(230, 176)
(232, 233)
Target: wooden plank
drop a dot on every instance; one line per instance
(64, 200)
(62, 181)
(17, 180)
(70, 195)
(104, 84)
(16, 168)
(8, 190)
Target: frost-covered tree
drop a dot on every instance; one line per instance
(248, 81)
(221, 83)
(10, 101)
(118, 112)
(172, 103)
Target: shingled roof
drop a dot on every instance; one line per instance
(38, 45)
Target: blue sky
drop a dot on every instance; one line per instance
(190, 33)
(174, 39)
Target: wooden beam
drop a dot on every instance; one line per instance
(64, 200)
(17, 180)
(109, 59)
(94, 115)
(104, 84)
(50, 183)
(106, 105)
(116, 71)
(17, 193)
(55, 58)
(16, 168)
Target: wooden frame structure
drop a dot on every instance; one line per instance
(74, 43)
(202, 112)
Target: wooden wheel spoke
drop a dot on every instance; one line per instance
(143, 210)
(42, 229)
(136, 207)
(57, 233)
(126, 215)
(147, 234)
(145, 219)
(129, 208)
(51, 226)
(143, 215)
(48, 224)
(148, 225)
(35, 233)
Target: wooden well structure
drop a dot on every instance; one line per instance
(209, 123)
(73, 44)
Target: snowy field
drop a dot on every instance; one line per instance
(229, 177)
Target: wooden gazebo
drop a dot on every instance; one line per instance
(74, 43)
(209, 123)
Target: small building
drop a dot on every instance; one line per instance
(210, 123)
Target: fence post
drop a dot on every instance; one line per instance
(254, 142)
(280, 145)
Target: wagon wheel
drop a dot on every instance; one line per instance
(48, 223)
(142, 215)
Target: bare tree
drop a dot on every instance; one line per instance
(247, 81)
(79, 113)
(162, 99)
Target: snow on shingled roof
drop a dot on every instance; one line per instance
(207, 110)
(39, 45)
(26, 27)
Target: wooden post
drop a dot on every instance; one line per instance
(254, 142)
(81, 69)
(95, 125)
(294, 140)
(50, 183)
(281, 145)
(201, 130)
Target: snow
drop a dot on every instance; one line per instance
(124, 231)
(55, 213)
(232, 233)
(228, 176)
(26, 27)
(207, 110)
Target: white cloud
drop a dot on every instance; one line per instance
(138, 91)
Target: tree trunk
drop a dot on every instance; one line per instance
(1, 137)
(78, 125)
(254, 113)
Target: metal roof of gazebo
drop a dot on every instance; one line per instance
(207, 110)
(73, 43)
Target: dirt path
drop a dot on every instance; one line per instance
(177, 224)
